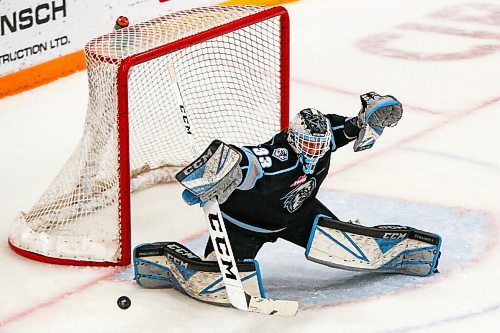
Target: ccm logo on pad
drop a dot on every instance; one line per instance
(395, 235)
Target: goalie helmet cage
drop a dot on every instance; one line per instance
(230, 78)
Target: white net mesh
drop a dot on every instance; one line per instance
(230, 88)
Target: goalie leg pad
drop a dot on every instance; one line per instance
(170, 264)
(150, 270)
(383, 248)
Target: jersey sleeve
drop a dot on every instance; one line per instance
(338, 125)
(251, 169)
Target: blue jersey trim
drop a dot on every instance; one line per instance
(332, 140)
(334, 144)
(247, 152)
(248, 226)
(250, 167)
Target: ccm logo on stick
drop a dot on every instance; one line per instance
(221, 246)
(26, 18)
(185, 120)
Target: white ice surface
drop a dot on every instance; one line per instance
(438, 170)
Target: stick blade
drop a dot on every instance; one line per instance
(273, 307)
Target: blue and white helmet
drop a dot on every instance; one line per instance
(309, 136)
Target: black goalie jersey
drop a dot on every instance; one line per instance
(276, 198)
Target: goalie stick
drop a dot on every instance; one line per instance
(201, 176)
(220, 240)
(182, 109)
(237, 295)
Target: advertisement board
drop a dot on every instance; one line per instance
(34, 32)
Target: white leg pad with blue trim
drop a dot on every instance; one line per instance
(383, 248)
(170, 264)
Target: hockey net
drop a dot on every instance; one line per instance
(231, 72)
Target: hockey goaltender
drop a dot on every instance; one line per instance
(281, 178)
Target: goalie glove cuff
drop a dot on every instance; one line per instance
(190, 198)
(351, 129)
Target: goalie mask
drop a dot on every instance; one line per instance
(309, 135)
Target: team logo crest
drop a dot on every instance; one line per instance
(296, 197)
(300, 180)
(281, 154)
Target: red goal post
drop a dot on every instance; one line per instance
(231, 68)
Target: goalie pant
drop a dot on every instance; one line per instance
(276, 199)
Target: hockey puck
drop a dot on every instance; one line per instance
(123, 302)
(121, 22)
